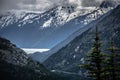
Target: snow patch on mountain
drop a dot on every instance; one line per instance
(47, 23)
(10, 17)
(56, 17)
(64, 20)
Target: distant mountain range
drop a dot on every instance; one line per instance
(68, 31)
(70, 56)
(92, 18)
(45, 30)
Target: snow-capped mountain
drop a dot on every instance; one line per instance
(37, 30)
(82, 21)
(43, 56)
(58, 15)
(70, 56)
(20, 17)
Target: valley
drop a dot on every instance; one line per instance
(68, 41)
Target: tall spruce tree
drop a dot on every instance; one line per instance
(94, 60)
(113, 62)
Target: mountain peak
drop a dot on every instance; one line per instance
(107, 4)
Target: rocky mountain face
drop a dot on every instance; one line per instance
(37, 30)
(70, 56)
(11, 54)
(16, 65)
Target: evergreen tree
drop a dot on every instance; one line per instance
(113, 62)
(94, 60)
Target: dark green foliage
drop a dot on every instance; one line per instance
(112, 63)
(103, 66)
(12, 72)
(71, 76)
(94, 60)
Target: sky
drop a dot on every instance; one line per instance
(43, 5)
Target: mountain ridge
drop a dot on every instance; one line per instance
(45, 55)
(15, 64)
(72, 55)
(44, 26)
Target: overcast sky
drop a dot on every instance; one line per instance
(42, 5)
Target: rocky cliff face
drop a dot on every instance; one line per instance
(16, 65)
(11, 54)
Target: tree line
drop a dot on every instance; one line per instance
(102, 66)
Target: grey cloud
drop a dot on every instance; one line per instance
(94, 2)
(43, 5)
(30, 1)
(9, 4)
(89, 3)
(30, 4)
